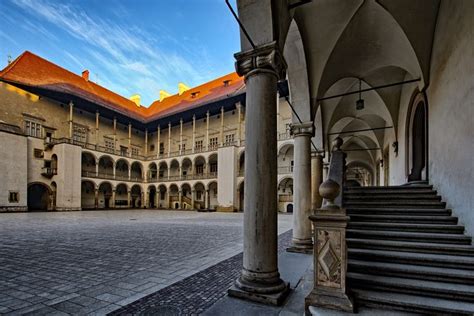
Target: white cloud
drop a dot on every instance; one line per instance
(127, 56)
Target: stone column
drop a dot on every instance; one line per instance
(96, 198)
(143, 200)
(157, 199)
(129, 140)
(260, 279)
(97, 168)
(146, 142)
(129, 198)
(316, 180)
(168, 198)
(239, 127)
(222, 126)
(115, 135)
(181, 137)
(96, 128)
(158, 134)
(206, 200)
(71, 119)
(193, 198)
(169, 139)
(194, 134)
(302, 239)
(112, 201)
(207, 131)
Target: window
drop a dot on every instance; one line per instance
(79, 133)
(33, 129)
(213, 167)
(135, 151)
(198, 195)
(182, 148)
(292, 163)
(162, 148)
(198, 145)
(13, 197)
(229, 139)
(213, 143)
(200, 169)
(162, 195)
(109, 144)
(123, 150)
(152, 147)
(38, 153)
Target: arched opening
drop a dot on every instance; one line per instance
(87, 195)
(174, 170)
(213, 166)
(174, 196)
(200, 195)
(105, 195)
(285, 193)
(241, 164)
(199, 166)
(88, 165)
(54, 164)
(136, 172)
(186, 196)
(418, 144)
(136, 196)
(289, 208)
(162, 170)
(38, 197)
(106, 167)
(162, 198)
(152, 172)
(121, 196)
(186, 169)
(241, 196)
(285, 159)
(151, 196)
(121, 169)
(212, 195)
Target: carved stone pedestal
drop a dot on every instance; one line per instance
(330, 254)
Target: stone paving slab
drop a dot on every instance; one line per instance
(91, 263)
(197, 293)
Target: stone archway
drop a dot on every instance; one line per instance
(418, 143)
(38, 197)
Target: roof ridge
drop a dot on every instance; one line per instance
(13, 63)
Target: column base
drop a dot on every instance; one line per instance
(327, 299)
(301, 246)
(276, 298)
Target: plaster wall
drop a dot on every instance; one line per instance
(13, 168)
(227, 167)
(451, 108)
(68, 179)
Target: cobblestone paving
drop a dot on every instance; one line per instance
(194, 294)
(95, 262)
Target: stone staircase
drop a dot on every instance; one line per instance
(407, 252)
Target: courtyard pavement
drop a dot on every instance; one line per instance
(95, 262)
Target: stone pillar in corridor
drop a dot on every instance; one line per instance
(260, 279)
(129, 198)
(71, 119)
(96, 198)
(302, 237)
(206, 201)
(193, 197)
(316, 180)
(112, 200)
(180, 198)
(97, 168)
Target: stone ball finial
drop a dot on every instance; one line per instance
(337, 143)
(329, 190)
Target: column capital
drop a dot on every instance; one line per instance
(262, 58)
(316, 154)
(302, 129)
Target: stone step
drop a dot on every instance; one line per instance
(392, 188)
(407, 246)
(396, 204)
(408, 227)
(423, 259)
(449, 275)
(404, 219)
(386, 197)
(408, 236)
(413, 303)
(409, 286)
(399, 211)
(390, 192)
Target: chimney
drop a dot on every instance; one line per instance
(85, 75)
(135, 99)
(182, 88)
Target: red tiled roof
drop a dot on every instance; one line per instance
(31, 70)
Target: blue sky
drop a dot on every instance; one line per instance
(129, 46)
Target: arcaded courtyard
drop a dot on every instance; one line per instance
(96, 262)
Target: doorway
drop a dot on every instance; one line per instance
(418, 144)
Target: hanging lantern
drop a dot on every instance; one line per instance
(360, 102)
